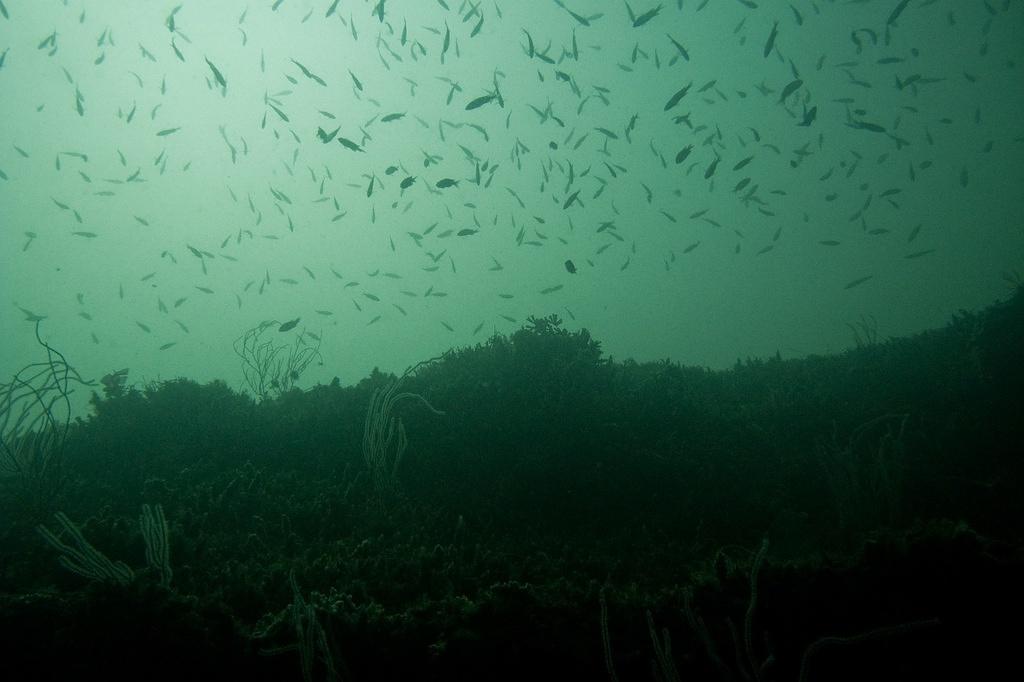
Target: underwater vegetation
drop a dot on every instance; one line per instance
(542, 510)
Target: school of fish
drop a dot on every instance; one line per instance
(541, 151)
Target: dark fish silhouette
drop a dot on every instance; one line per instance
(770, 43)
(349, 144)
(217, 75)
(325, 136)
(480, 101)
(674, 99)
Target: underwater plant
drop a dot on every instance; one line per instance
(269, 366)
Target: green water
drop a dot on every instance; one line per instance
(533, 194)
(672, 260)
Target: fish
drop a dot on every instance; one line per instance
(857, 282)
(31, 316)
(552, 289)
(479, 25)
(809, 116)
(896, 12)
(289, 325)
(866, 125)
(790, 88)
(177, 51)
(280, 114)
(444, 183)
(309, 74)
(48, 41)
(682, 50)
(711, 168)
(799, 18)
(743, 162)
(325, 136)
(167, 131)
(407, 182)
(646, 16)
(770, 43)
(349, 144)
(570, 267)
(466, 232)
(529, 44)
(480, 101)
(674, 99)
(217, 75)
(683, 153)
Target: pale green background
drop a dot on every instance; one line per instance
(710, 307)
